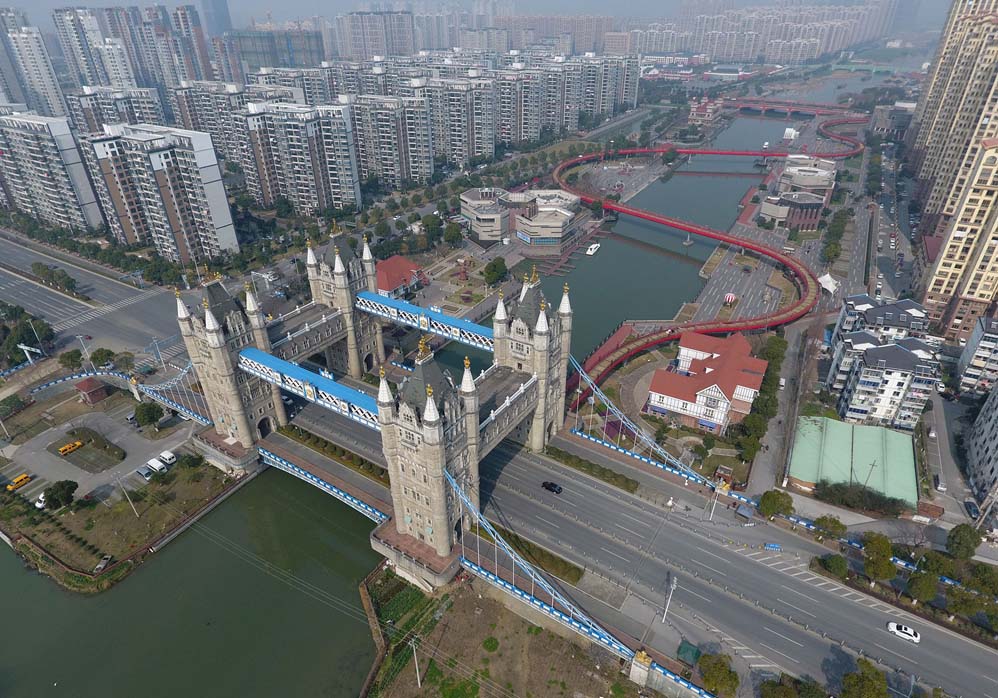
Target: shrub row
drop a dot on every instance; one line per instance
(611, 477)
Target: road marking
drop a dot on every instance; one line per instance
(707, 552)
(632, 518)
(706, 566)
(794, 591)
(798, 608)
(783, 636)
(888, 649)
(763, 559)
(625, 528)
(764, 666)
(549, 523)
(773, 649)
(690, 591)
(614, 554)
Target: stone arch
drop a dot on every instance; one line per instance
(368, 362)
(264, 427)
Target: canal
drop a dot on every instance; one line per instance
(259, 599)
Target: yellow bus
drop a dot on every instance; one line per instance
(18, 482)
(69, 448)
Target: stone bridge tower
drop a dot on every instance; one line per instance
(335, 280)
(429, 427)
(243, 407)
(530, 337)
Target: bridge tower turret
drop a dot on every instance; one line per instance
(469, 398)
(242, 407)
(335, 282)
(258, 325)
(533, 339)
(424, 432)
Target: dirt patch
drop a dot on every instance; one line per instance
(59, 409)
(481, 648)
(788, 292)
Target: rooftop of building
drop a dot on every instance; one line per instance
(729, 366)
(897, 357)
(398, 271)
(839, 452)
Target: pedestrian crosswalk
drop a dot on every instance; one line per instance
(95, 313)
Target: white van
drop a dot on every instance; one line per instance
(156, 465)
(168, 457)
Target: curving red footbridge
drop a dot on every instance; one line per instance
(599, 364)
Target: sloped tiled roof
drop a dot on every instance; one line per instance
(732, 366)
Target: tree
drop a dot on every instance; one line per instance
(125, 361)
(60, 494)
(866, 682)
(755, 425)
(923, 586)
(775, 689)
(962, 541)
(495, 271)
(876, 567)
(597, 208)
(283, 207)
(836, 564)
(877, 545)
(381, 229)
(960, 602)
(775, 502)
(452, 234)
(71, 359)
(148, 413)
(809, 688)
(831, 525)
(938, 564)
(101, 356)
(718, 676)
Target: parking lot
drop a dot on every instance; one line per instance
(45, 468)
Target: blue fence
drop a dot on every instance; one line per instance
(287, 466)
(14, 369)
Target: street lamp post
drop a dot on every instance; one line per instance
(86, 352)
(673, 583)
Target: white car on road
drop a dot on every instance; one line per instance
(904, 632)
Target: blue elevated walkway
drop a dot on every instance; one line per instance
(405, 313)
(323, 391)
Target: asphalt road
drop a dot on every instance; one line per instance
(39, 300)
(637, 544)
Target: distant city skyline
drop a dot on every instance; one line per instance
(929, 15)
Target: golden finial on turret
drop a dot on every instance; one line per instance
(176, 293)
(467, 362)
(365, 238)
(565, 287)
(543, 305)
(204, 302)
(270, 317)
(526, 278)
(429, 391)
(336, 250)
(533, 274)
(424, 347)
(501, 294)
(308, 243)
(247, 286)
(381, 371)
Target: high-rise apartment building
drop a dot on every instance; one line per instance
(301, 153)
(955, 147)
(96, 106)
(163, 186)
(284, 48)
(38, 80)
(216, 16)
(79, 32)
(42, 173)
(394, 139)
(364, 35)
(114, 60)
(11, 19)
(462, 116)
(211, 107)
(186, 22)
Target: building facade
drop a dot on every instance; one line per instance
(163, 186)
(96, 106)
(977, 367)
(42, 173)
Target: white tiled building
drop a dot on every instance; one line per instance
(982, 448)
(978, 364)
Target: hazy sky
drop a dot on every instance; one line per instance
(930, 13)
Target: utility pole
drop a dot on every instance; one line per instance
(86, 352)
(673, 583)
(125, 492)
(415, 659)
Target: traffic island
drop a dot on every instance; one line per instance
(87, 449)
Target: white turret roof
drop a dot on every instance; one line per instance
(430, 413)
(338, 267)
(500, 309)
(210, 323)
(566, 307)
(311, 260)
(542, 321)
(251, 305)
(467, 380)
(182, 312)
(366, 254)
(384, 392)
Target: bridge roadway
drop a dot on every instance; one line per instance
(637, 544)
(802, 276)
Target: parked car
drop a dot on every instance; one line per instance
(102, 565)
(551, 487)
(973, 511)
(144, 473)
(168, 457)
(904, 632)
(40, 502)
(932, 432)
